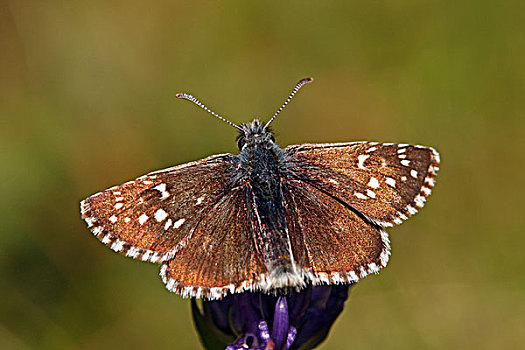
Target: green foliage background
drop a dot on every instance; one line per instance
(87, 101)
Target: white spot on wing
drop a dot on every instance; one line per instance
(361, 159)
(199, 200)
(143, 218)
(160, 215)
(370, 193)
(420, 201)
(146, 255)
(402, 216)
(118, 199)
(113, 219)
(403, 178)
(373, 268)
(133, 252)
(179, 223)
(411, 210)
(117, 246)
(162, 189)
(413, 173)
(89, 221)
(391, 182)
(168, 224)
(373, 183)
(405, 162)
(360, 195)
(333, 181)
(119, 205)
(126, 219)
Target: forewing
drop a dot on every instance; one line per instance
(152, 217)
(331, 243)
(385, 182)
(221, 256)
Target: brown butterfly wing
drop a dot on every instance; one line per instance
(152, 217)
(385, 182)
(221, 257)
(330, 242)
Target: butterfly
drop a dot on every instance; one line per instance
(267, 218)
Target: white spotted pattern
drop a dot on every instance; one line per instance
(428, 183)
(119, 205)
(179, 223)
(143, 218)
(97, 231)
(89, 221)
(162, 189)
(391, 182)
(262, 282)
(265, 283)
(117, 245)
(360, 160)
(374, 183)
(160, 215)
(411, 210)
(360, 195)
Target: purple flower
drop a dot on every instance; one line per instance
(294, 320)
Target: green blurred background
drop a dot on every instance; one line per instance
(87, 102)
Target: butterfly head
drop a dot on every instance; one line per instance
(253, 134)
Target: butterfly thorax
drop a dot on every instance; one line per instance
(260, 157)
(263, 165)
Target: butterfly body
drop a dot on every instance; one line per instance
(268, 218)
(262, 167)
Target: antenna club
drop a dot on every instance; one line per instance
(182, 95)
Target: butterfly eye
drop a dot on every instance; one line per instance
(241, 143)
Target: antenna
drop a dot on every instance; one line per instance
(201, 105)
(294, 91)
